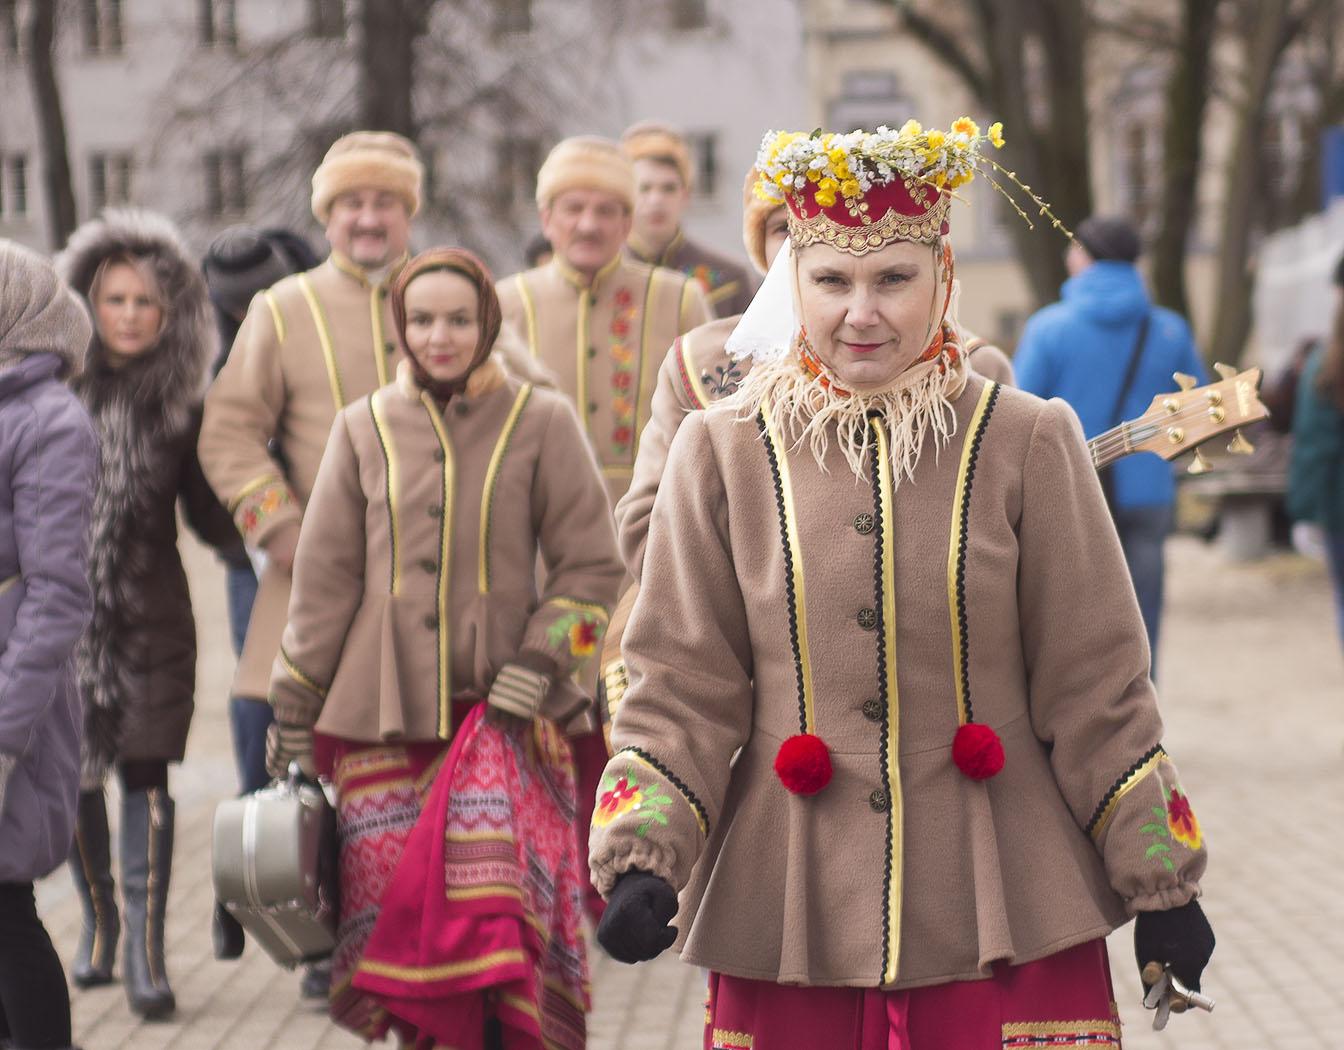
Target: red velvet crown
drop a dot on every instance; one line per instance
(902, 210)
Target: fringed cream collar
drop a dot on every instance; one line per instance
(810, 411)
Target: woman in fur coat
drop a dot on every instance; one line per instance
(154, 339)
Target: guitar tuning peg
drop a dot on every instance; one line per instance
(1184, 381)
(1199, 465)
(1239, 446)
(1226, 371)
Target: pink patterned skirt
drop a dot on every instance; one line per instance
(461, 893)
(1063, 1000)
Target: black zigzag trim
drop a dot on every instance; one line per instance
(674, 780)
(790, 596)
(1147, 756)
(963, 539)
(878, 597)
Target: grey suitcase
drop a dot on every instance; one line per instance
(274, 864)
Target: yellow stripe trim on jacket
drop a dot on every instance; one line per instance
(1131, 782)
(895, 811)
(491, 477)
(530, 313)
(444, 970)
(641, 375)
(796, 556)
(692, 373)
(324, 338)
(276, 316)
(954, 551)
(380, 427)
(445, 726)
(302, 677)
(255, 485)
(379, 338)
(581, 348)
(722, 292)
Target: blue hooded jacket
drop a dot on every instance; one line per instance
(1079, 348)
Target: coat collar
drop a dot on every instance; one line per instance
(645, 253)
(487, 378)
(580, 281)
(358, 273)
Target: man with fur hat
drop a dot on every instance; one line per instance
(664, 179)
(601, 322)
(309, 345)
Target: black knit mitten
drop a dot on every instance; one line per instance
(634, 928)
(1180, 938)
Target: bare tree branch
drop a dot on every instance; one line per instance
(945, 47)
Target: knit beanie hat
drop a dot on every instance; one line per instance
(1108, 238)
(649, 140)
(755, 213)
(586, 162)
(238, 264)
(380, 160)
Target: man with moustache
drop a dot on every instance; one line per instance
(663, 182)
(601, 322)
(308, 346)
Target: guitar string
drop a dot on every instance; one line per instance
(1116, 438)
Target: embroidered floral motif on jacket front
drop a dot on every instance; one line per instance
(709, 277)
(624, 373)
(724, 380)
(1175, 822)
(618, 796)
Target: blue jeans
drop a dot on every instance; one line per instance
(1143, 533)
(240, 585)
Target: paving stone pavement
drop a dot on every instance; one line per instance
(1252, 683)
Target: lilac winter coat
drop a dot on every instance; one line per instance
(48, 461)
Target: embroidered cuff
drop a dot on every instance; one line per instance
(263, 507)
(607, 863)
(567, 629)
(295, 710)
(518, 691)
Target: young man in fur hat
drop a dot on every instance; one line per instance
(309, 345)
(601, 322)
(664, 179)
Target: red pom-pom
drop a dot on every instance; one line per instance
(977, 751)
(803, 764)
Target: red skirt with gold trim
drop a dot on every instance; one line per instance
(473, 909)
(1063, 1000)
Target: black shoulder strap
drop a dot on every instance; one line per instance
(1131, 370)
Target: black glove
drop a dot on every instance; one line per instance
(634, 928)
(1180, 938)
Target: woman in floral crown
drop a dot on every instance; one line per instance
(889, 731)
(422, 671)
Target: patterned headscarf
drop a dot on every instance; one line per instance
(462, 262)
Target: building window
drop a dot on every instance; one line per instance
(225, 185)
(109, 179)
(518, 159)
(869, 98)
(103, 33)
(705, 155)
(13, 186)
(689, 14)
(9, 28)
(326, 19)
(218, 23)
(512, 16)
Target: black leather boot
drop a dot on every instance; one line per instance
(146, 864)
(91, 866)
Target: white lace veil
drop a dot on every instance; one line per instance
(766, 330)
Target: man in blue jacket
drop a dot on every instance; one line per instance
(1080, 349)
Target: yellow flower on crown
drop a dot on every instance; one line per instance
(966, 126)
(935, 139)
(996, 135)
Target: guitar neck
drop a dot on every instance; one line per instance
(1118, 442)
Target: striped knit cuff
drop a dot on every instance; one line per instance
(518, 691)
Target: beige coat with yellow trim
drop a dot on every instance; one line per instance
(309, 346)
(414, 578)
(901, 872)
(728, 285)
(604, 343)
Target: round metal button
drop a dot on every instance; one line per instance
(872, 710)
(435, 511)
(439, 455)
(432, 622)
(880, 801)
(429, 565)
(391, 349)
(867, 619)
(864, 523)
(461, 407)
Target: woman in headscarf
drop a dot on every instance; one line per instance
(889, 729)
(154, 339)
(50, 456)
(423, 671)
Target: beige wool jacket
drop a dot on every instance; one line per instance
(604, 343)
(728, 285)
(414, 581)
(309, 346)
(775, 597)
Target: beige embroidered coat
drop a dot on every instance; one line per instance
(604, 343)
(728, 285)
(309, 345)
(776, 598)
(414, 578)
